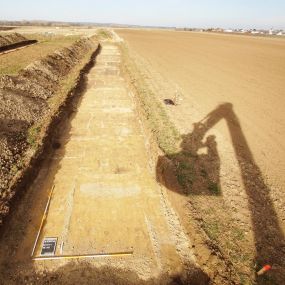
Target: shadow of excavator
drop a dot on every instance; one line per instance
(182, 166)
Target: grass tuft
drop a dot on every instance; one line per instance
(158, 121)
(103, 34)
(214, 188)
(33, 134)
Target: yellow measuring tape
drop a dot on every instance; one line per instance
(97, 255)
(42, 222)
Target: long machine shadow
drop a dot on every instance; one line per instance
(269, 238)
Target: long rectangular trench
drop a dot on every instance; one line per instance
(105, 198)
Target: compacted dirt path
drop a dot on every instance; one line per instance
(105, 197)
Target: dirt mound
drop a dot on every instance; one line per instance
(14, 38)
(13, 41)
(41, 78)
(24, 105)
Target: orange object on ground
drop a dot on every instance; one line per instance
(264, 269)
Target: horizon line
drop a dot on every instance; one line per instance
(140, 25)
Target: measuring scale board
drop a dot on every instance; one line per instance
(48, 246)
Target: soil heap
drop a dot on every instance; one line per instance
(24, 104)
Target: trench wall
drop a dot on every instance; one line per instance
(26, 110)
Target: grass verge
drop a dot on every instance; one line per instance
(103, 34)
(164, 131)
(185, 164)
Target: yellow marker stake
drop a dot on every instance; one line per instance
(42, 222)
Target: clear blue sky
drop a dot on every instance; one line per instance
(198, 13)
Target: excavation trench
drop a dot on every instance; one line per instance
(58, 122)
(14, 47)
(105, 197)
(12, 41)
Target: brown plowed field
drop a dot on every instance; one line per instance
(247, 72)
(246, 134)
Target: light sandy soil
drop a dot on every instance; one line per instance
(247, 73)
(105, 198)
